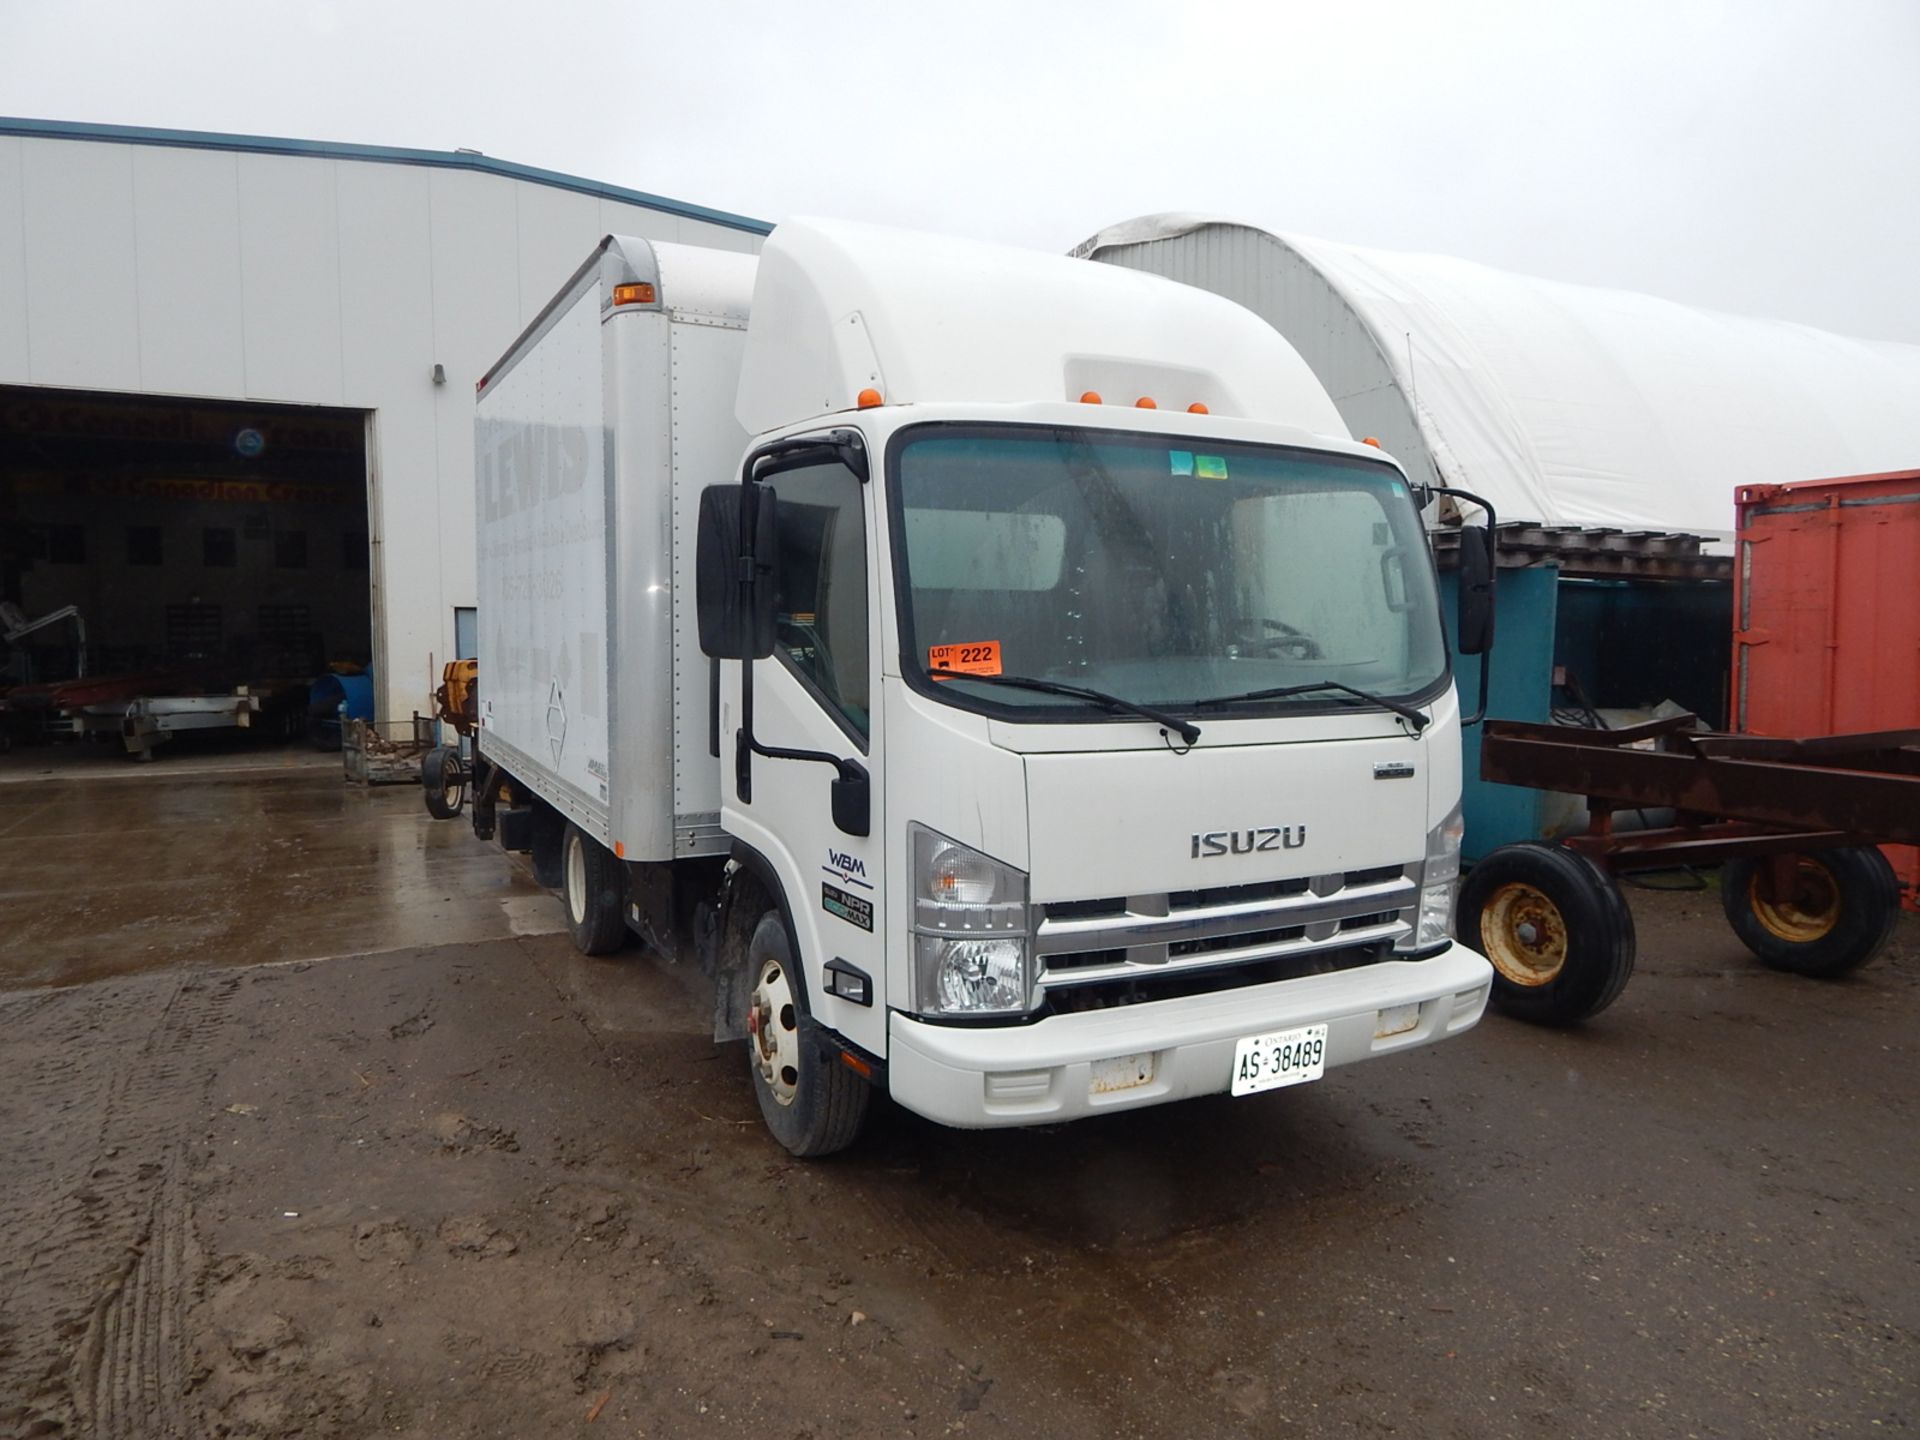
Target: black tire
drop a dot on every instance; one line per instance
(593, 888)
(813, 1104)
(1839, 911)
(443, 781)
(1556, 928)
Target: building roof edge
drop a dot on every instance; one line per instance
(375, 154)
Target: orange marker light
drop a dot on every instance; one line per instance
(857, 1065)
(1090, 397)
(620, 849)
(867, 398)
(1196, 408)
(641, 294)
(1371, 441)
(1145, 402)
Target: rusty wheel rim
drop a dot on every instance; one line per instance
(1807, 912)
(773, 1031)
(1524, 935)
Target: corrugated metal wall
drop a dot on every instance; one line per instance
(312, 280)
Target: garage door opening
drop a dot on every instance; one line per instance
(190, 572)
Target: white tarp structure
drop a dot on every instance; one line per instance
(1563, 404)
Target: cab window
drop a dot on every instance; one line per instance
(821, 602)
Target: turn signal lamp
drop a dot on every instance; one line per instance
(1196, 408)
(1145, 402)
(1090, 397)
(867, 398)
(638, 294)
(959, 876)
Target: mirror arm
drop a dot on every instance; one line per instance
(846, 772)
(1480, 500)
(743, 738)
(1486, 660)
(848, 769)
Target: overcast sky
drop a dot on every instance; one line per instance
(1758, 157)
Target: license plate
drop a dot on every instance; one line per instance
(1286, 1057)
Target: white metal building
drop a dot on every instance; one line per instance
(237, 378)
(1565, 405)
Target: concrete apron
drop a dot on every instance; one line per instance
(124, 875)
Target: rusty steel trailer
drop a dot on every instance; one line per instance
(1794, 823)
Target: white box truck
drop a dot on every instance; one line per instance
(1005, 668)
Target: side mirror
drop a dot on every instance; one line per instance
(1473, 623)
(733, 591)
(852, 794)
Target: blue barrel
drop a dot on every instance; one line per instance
(343, 697)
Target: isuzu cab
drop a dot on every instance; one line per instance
(1006, 669)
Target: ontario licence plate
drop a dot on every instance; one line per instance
(1285, 1057)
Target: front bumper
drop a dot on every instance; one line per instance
(1052, 1070)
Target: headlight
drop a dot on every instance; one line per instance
(1439, 878)
(971, 951)
(971, 977)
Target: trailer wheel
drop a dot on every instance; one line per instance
(1556, 928)
(443, 781)
(594, 889)
(813, 1104)
(1819, 913)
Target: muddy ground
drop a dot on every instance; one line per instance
(488, 1187)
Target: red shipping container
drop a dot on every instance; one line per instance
(1826, 613)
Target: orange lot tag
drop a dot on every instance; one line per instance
(982, 658)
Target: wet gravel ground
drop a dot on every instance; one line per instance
(484, 1186)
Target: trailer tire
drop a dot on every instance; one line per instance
(812, 1103)
(1554, 926)
(443, 781)
(1841, 910)
(593, 888)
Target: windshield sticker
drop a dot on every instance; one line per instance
(1210, 467)
(1181, 461)
(980, 658)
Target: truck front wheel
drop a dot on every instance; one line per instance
(595, 892)
(1556, 929)
(1819, 913)
(812, 1103)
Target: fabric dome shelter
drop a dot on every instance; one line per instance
(1565, 405)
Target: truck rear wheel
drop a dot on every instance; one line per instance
(813, 1104)
(1556, 929)
(594, 889)
(1819, 913)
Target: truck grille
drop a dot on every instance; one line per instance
(1355, 915)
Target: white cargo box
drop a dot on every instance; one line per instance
(596, 433)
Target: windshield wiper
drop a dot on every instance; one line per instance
(1185, 729)
(1418, 720)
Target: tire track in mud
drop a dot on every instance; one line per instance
(100, 1086)
(126, 1378)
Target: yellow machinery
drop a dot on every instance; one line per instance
(443, 771)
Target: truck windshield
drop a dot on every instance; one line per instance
(1160, 574)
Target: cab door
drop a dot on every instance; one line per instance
(801, 772)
